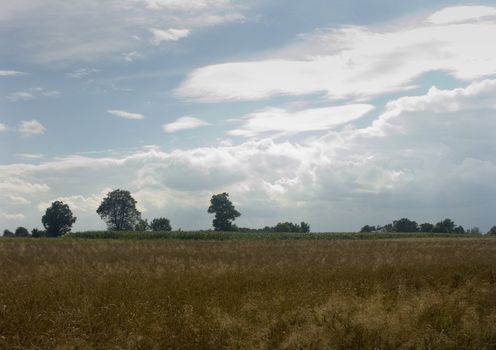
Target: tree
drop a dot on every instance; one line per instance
(426, 227)
(447, 226)
(224, 210)
(368, 228)
(405, 225)
(160, 224)
(38, 233)
(474, 231)
(8, 233)
(304, 227)
(142, 225)
(492, 231)
(58, 219)
(119, 211)
(21, 232)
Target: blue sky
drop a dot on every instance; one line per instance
(337, 113)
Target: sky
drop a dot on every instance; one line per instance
(336, 113)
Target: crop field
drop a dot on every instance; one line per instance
(425, 293)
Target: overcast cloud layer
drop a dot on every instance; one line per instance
(345, 123)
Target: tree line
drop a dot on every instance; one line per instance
(120, 213)
(407, 225)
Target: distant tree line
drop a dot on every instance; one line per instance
(407, 225)
(119, 211)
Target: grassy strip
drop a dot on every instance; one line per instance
(224, 236)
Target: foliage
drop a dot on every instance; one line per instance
(492, 231)
(224, 210)
(8, 233)
(119, 211)
(371, 294)
(447, 226)
(426, 227)
(473, 231)
(368, 228)
(405, 225)
(38, 233)
(58, 219)
(303, 227)
(142, 225)
(21, 232)
(161, 224)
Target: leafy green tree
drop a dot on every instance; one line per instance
(426, 227)
(38, 233)
(142, 225)
(445, 226)
(119, 211)
(405, 225)
(161, 224)
(368, 228)
(304, 227)
(21, 232)
(492, 231)
(58, 219)
(8, 233)
(224, 210)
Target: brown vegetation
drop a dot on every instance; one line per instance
(389, 294)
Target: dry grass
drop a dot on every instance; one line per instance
(388, 294)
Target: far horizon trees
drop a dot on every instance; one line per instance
(58, 219)
(160, 224)
(118, 210)
(21, 232)
(224, 210)
(406, 225)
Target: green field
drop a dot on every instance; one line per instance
(276, 293)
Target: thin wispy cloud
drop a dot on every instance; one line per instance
(10, 73)
(171, 34)
(125, 114)
(32, 94)
(184, 123)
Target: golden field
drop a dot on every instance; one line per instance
(429, 293)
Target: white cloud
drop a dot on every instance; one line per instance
(31, 155)
(3, 127)
(283, 121)
(131, 56)
(10, 73)
(58, 34)
(352, 62)
(81, 73)
(31, 127)
(17, 199)
(460, 14)
(17, 185)
(32, 94)
(126, 115)
(184, 123)
(78, 203)
(171, 34)
(11, 216)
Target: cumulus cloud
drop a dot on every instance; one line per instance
(17, 185)
(11, 216)
(29, 128)
(283, 121)
(353, 62)
(78, 203)
(460, 14)
(171, 34)
(10, 73)
(426, 157)
(184, 123)
(125, 115)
